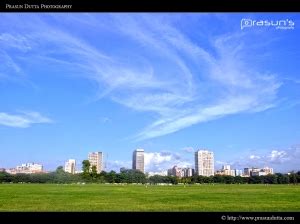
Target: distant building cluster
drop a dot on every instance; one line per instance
(204, 166)
(160, 173)
(180, 172)
(226, 170)
(250, 172)
(26, 168)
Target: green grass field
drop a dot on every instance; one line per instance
(97, 197)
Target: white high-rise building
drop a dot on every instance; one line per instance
(188, 172)
(232, 173)
(96, 159)
(238, 172)
(204, 163)
(138, 160)
(70, 166)
(226, 167)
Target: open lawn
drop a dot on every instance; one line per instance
(102, 197)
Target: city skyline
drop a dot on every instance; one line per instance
(203, 166)
(167, 83)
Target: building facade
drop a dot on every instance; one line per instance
(96, 159)
(70, 166)
(138, 162)
(204, 163)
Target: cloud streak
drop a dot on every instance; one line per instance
(176, 78)
(23, 120)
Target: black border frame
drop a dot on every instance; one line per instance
(159, 5)
(149, 6)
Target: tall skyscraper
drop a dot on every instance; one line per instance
(96, 159)
(70, 166)
(138, 160)
(204, 163)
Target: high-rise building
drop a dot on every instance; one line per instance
(247, 172)
(70, 166)
(204, 163)
(226, 167)
(138, 160)
(96, 159)
(232, 173)
(238, 172)
(188, 172)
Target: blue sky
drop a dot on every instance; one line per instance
(168, 83)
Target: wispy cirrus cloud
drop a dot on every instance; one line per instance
(167, 73)
(15, 41)
(188, 149)
(23, 120)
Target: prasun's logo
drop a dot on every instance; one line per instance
(284, 24)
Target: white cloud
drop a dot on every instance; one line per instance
(161, 161)
(23, 120)
(283, 160)
(117, 164)
(254, 157)
(278, 156)
(156, 158)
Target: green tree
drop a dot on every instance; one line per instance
(270, 179)
(111, 177)
(86, 170)
(86, 166)
(60, 169)
(238, 180)
(218, 179)
(293, 178)
(228, 179)
(94, 173)
(6, 177)
(200, 179)
(282, 178)
(256, 180)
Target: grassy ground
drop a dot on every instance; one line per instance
(93, 197)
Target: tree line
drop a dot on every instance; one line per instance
(90, 175)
